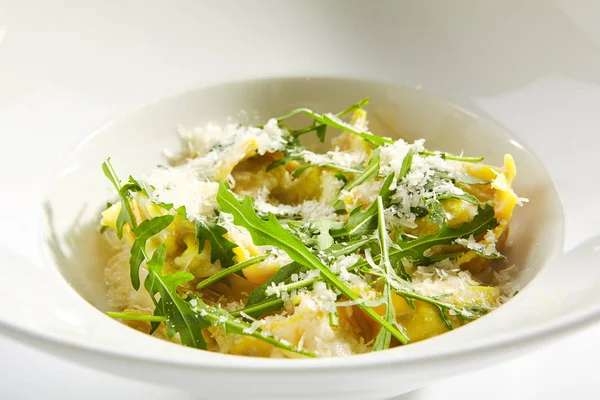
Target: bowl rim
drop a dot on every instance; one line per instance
(552, 328)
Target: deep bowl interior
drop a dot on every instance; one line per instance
(135, 144)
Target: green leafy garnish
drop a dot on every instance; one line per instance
(220, 248)
(406, 164)
(103, 228)
(137, 317)
(448, 156)
(301, 169)
(261, 308)
(469, 198)
(143, 232)
(231, 270)
(324, 238)
(335, 122)
(216, 316)
(465, 313)
(414, 250)
(345, 248)
(463, 177)
(126, 214)
(282, 275)
(383, 338)
(493, 256)
(369, 173)
(321, 129)
(165, 206)
(180, 317)
(364, 222)
(436, 212)
(270, 232)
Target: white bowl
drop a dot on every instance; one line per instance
(73, 328)
(491, 59)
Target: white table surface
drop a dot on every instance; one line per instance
(68, 67)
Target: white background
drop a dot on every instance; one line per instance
(66, 68)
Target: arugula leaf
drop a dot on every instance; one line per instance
(321, 130)
(341, 125)
(340, 176)
(261, 308)
(414, 249)
(335, 122)
(216, 316)
(165, 206)
(324, 238)
(419, 211)
(465, 313)
(126, 214)
(137, 187)
(281, 161)
(341, 249)
(364, 222)
(220, 248)
(334, 318)
(136, 317)
(270, 232)
(448, 156)
(436, 212)
(259, 303)
(463, 177)
(383, 338)
(291, 153)
(362, 103)
(469, 198)
(494, 256)
(180, 317)
(143, 232)
(301, 169)
(103, 228)
(444, 256)
(406, 164)
(369, 173)
(231, 270)
(283, 274)
(181, 210)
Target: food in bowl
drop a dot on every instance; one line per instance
(250, 243)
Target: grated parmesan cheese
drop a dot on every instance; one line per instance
(343, 159)
(181, 186)
(486, 247)
(442, 277)
(309, 210)
(209, 138)
(429, 176)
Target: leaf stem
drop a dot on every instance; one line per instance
(136, 317)
(447, 156)
(260, 308)
(231, 270)
(316, 126)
